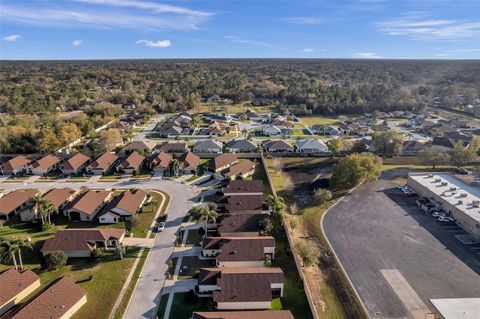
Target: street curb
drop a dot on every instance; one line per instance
(335, 254)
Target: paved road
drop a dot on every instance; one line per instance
(141, 136)
(376, 232)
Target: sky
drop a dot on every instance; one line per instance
(140, 29)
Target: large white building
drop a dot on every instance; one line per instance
(458, 199)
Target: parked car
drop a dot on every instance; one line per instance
(400, 187)
(438, 214)
(444, 219)
(160, 227)
(461, 171)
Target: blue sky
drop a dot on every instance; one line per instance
(110, 29)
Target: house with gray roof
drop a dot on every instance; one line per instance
(208, 146)
(312, 146)
(241, 146)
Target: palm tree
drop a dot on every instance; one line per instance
(10, 246)
(245, 132)
(174, 166)
(20, 243)
(37, 205)
(208, 213)
(228, 130)
(49, 209)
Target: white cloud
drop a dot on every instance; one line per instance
(304, 20)
(235, 39)
(76, 43)
(155, 44)
(12, 38)
(418, 26)
(101, 14)
(308, 50)
(366, 55)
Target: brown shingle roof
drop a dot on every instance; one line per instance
(240, 187)
(175, 147)
(130, 201)
(15, 199)
(58, 196)
(14, 282)
(89, 201)
(190, 160)
(240, 203)
(79, 239)
(222, 160)
(238, 223)
(133, 160)
(161, 159)
(75, 162)
(239, 248)
(104, 161)
(46, 162)
(257, 314)
(242, 168)
(141, 145)
(54, 302)
(16, 162)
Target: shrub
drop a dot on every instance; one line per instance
(268, 260)
(96, 253)
(55, 260)
(322, 195)
(131, 223)
(307, 253)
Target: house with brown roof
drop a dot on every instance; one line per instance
(240, 187)
(189, 163)
(242, 224)
(277, 146)
(252, 204)
(239, 251)
(74, 164)
(221, 162)
(60, 301)
(16, 285)
(59, 197)
(258, 314)
(87, 205)
(239, 170)
(174, 147)
(123, 207)
(241, 288)
(132, 163)
(16, 165)
(44, 165)
(80, 242)
(145, 147)
(159, 162)
(103, 164)
(15, 201)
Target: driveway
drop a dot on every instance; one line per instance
(142, 135)
(396, 256)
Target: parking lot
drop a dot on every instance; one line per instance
(397, 256)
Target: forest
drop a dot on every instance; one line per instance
(34, 94)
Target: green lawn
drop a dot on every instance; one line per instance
(318, 120)
(277, 304)
(128, 293)
(190, 266)
(194, 238)
(184, 304)
(162, 306)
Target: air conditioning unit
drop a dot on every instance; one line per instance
(444, 183)
(453, 188)
(463, 194)
(430, 175)
(460, 202)
(438, 180)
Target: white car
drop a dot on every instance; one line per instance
(161, 226)
(438, 214)
(444, 219)
(400, 187)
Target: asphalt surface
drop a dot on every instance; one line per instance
(378, 229)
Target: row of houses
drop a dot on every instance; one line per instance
(103, 206)
(242, 279)
(60, 300)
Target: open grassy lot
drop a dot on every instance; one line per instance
(329, 288)
(319, 120)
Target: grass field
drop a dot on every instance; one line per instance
(184, 305)
(319, 120)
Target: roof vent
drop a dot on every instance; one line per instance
(460, 202)
(444, 183)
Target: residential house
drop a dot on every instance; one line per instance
(131, 164)
(58, 197)
(16, 286)
(44, 165)
(208, 146)
(312, 146)
(443, 143)
(259, 314)
(239, 251)
(238, 187)
(123, 207)
(16, 165)
(277, 146)
(412, 148)
(80, 242)
(15, 201)
(282, 123)
(217, 129)
(241, 146)
(170, 130)
(60, 301)
(325, 130)
(87, 205)
(221, 162)
(103, 164)
(271, 130)
(159, 162)
(381, 128)
(247, 204)
(239, 170)
(240, 224)
(74, 164)
(144, 147)
(348, 128)
(184, 120)
(241, 288)
(189, 163)
(174, 147)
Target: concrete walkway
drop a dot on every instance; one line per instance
(139, 242)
